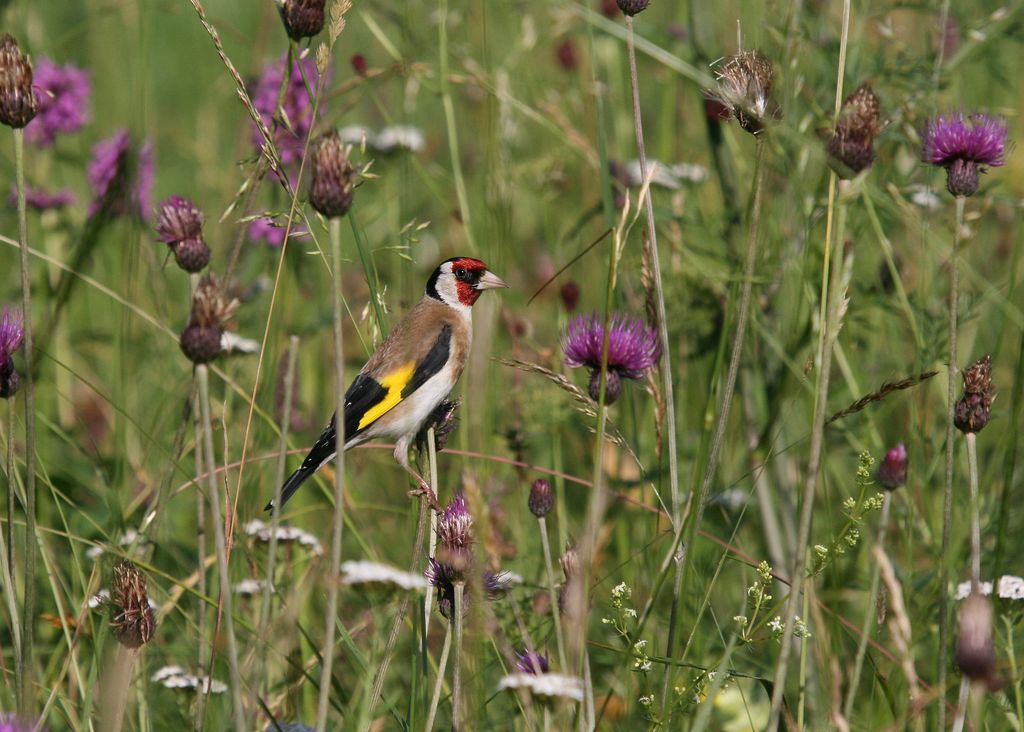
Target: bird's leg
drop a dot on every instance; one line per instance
(424, 491)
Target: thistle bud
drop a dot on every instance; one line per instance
(12, 335)
(632, 7)
(179, 224)
(18, 103)
(852, 143)
(975, 648)
(211, 308)
(333, 176)
(892, 473)
(542, 498)
(133, 622)
(744, 86)
(301, 18)
(971, 412)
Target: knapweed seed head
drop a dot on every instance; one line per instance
(542, 498)
(975, 645)
(12, 334)
(532, 662)
(972, 411)
(211, 309)
(965, 145)
(121, 177)
(744, 86)
(63, 94)
(133, 622)
(179, 224)
(333, 176)
(18, 102)
(444, 420)
(301, 18)
(860, 120)
(892, 473)
(632, 7)
(443, 577)
(633, 347)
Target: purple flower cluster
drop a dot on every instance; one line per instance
(892, 473)
(268, 231)
(43, 200)
(964, 145)
(12, 333)
(455, 560)
(63, 94)
(121, 177)
(532, 662)
(298, 109)
(633, 347)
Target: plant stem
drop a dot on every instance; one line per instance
(830, 296)
(439, 683)
(203, 377)
(549, 566)
(201, 586)
(972, 466)
(457, 700)
(659, 290)
(961, 705)
(432, 538)
(947, 498)
(396, 625)
(29, 608)
(339, 483)
(7, 552)
(870, 611)
(451, 126)
(275, 514)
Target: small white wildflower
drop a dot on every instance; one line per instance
(646, 700)
(1011, 587)
(849, 504)
(800, 629)
(607, 621)
(621, 592)
(630, 613)
(231, 342)
(712, 675)
(550, 685)
(400, 137)
(775, 625)
(363, 572)
(639, 646)
(167, 671)
(262, 532)
(249, 587)
(821, 550)
(739, 619)
(643, 665)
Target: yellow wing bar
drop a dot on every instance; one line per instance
(393, 383)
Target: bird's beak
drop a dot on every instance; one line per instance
(489, 281)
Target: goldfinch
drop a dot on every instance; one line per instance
(412, 371)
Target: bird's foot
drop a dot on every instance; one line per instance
(426, 493)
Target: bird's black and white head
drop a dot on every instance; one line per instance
(459, 281)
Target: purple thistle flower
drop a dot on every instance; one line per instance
(298, 109)
(11, 723)
(178, 219)
(443, 576)
(12, 334)
(892, 473)
(121, 177)
(63, 94)
(633, 347)
(542, 498)
(964, 145)
(532, 662)
(42, 200)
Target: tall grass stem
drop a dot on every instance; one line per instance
(947, 496)
(203, 377)
(275, 513)
(972, 467)
(552, 593)
(457, 691)
(25, 694)
(442, 666)
(334, 571)
(831, 296)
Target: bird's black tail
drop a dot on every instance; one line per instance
(321, 452)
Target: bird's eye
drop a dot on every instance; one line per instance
(460, 273)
